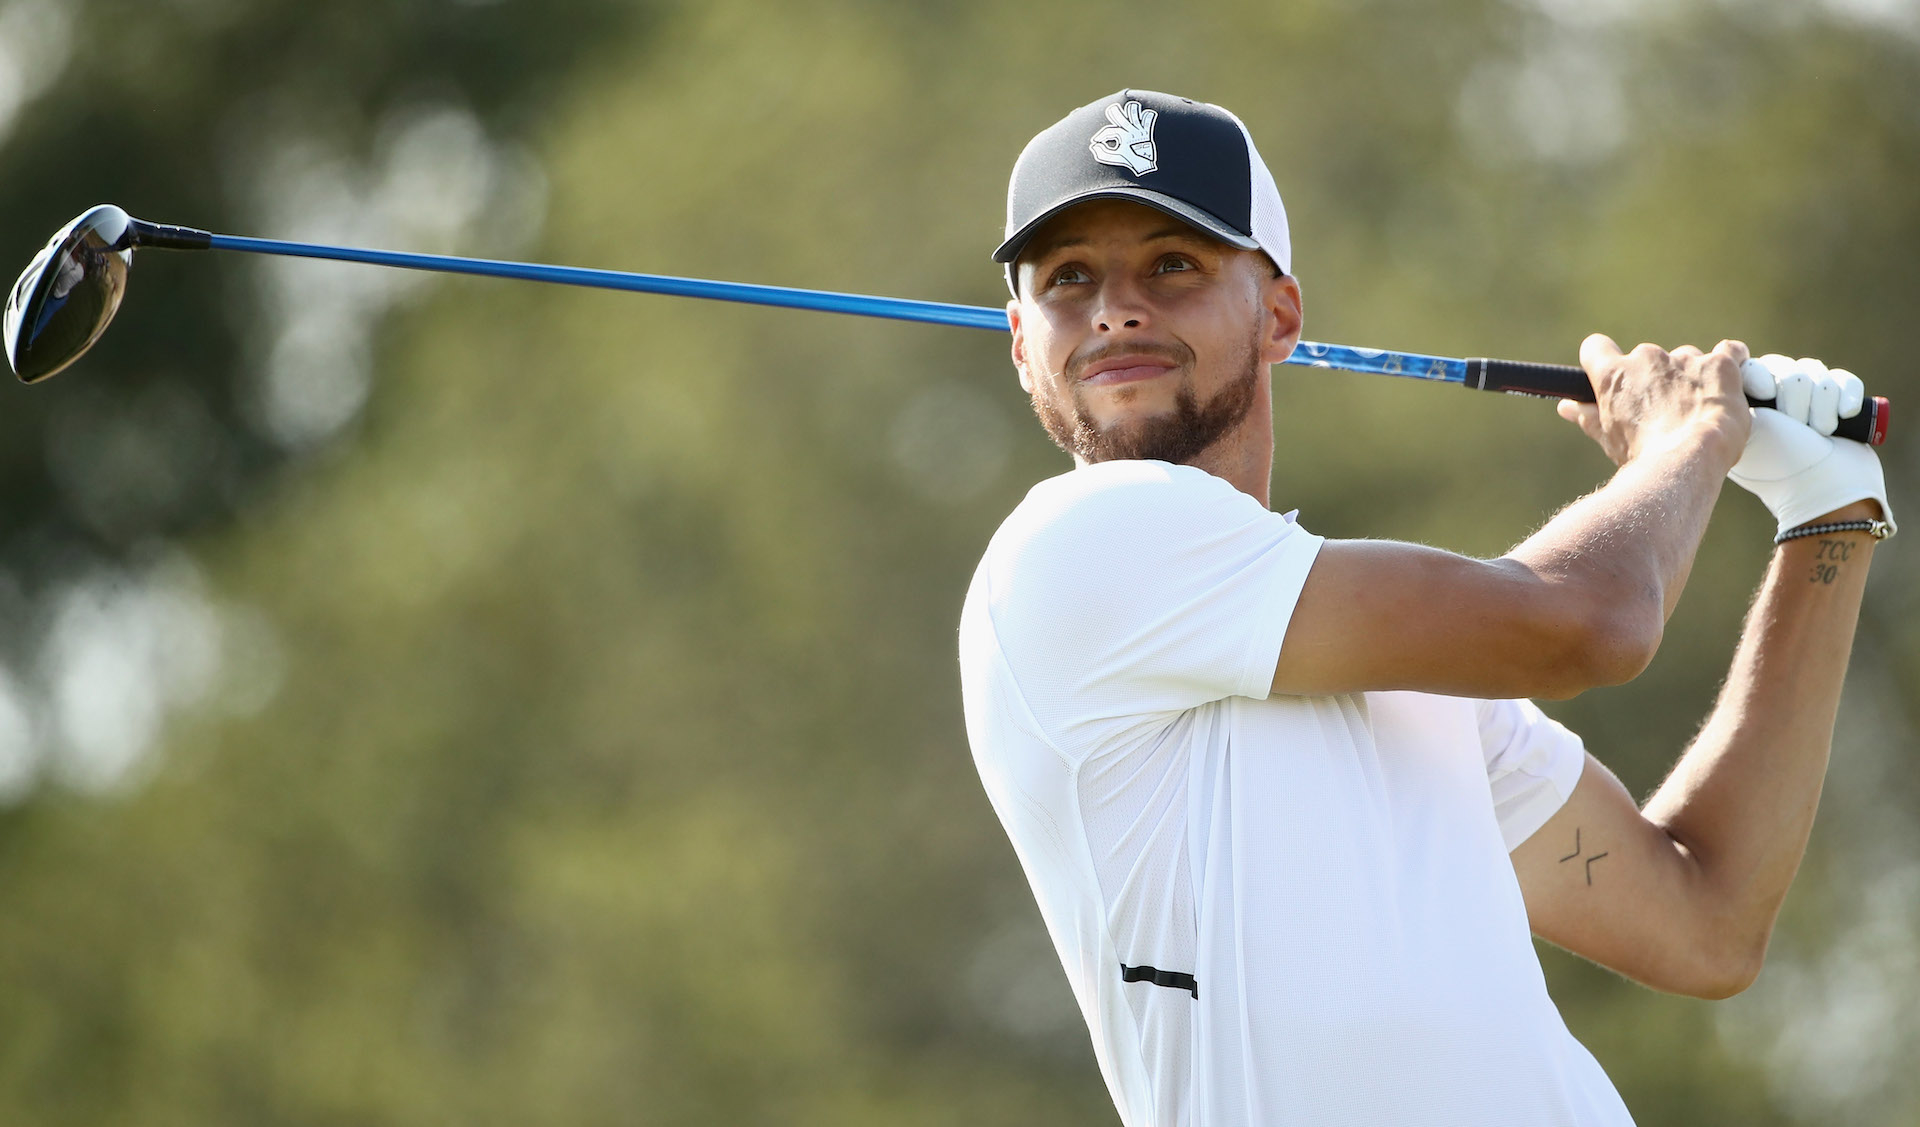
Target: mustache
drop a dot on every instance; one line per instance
(1177, 354)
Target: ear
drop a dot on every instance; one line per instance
(1280, 301)
(1019, 345)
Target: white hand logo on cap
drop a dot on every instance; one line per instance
(1128, 142)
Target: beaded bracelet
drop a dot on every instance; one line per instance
(1879, 528)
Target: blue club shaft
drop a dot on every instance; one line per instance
(1309, 353)
(1552, 381)
(899, 309)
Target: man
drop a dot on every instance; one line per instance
(1286, 817)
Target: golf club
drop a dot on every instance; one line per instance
(71, 289)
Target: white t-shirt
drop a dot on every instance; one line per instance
(1272, 909)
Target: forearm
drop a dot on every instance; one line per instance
(1631, 543)
(1742, 799)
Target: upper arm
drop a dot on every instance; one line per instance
(1602, 881)
(1382, 615)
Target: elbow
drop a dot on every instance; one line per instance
(1733, 958)
(1733, 977)
(1723, 989)
(1607, 645)
(1583, 634)
(1620, 642)
(1613, 641)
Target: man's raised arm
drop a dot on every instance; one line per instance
(1580, 603)
(1687, 890)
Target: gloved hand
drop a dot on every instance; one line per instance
(1790, 463)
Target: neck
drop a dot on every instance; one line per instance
(1241, 466)
(1243, 456)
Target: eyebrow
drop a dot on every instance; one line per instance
(1040, 248)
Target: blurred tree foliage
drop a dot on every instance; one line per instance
(167, 108)
(614, 771)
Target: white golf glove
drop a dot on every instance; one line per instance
(1790, 463)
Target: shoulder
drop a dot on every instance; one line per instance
(1124, 505)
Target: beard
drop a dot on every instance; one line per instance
(1178, 437)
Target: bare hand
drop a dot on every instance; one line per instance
(1650, 397)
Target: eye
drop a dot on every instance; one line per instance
(1068, 276)
(1173, 264)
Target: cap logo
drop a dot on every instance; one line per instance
(1128, 142)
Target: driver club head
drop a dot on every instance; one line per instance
(68, 293)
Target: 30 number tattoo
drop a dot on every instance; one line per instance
(1837, 551)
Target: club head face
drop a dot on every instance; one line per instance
(69, 292)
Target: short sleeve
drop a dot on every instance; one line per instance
(1128, 591)
(1533, 764)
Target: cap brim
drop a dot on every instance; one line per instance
(1187, 213)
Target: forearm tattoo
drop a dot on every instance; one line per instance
(1577, 852)
(1828, 555)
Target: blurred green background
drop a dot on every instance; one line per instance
(435, 701)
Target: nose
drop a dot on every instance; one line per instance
(1122, 305)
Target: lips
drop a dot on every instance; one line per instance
(1125, 369)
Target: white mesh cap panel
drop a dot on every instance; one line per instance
(1269, 214)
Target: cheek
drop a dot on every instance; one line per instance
(1228, 338)
(1047, 353)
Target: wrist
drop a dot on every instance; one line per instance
(1841, 522)
(1713, 436)
(1725, 436)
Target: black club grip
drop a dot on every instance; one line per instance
(1565, 381)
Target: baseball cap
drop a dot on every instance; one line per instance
(1193, 160)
